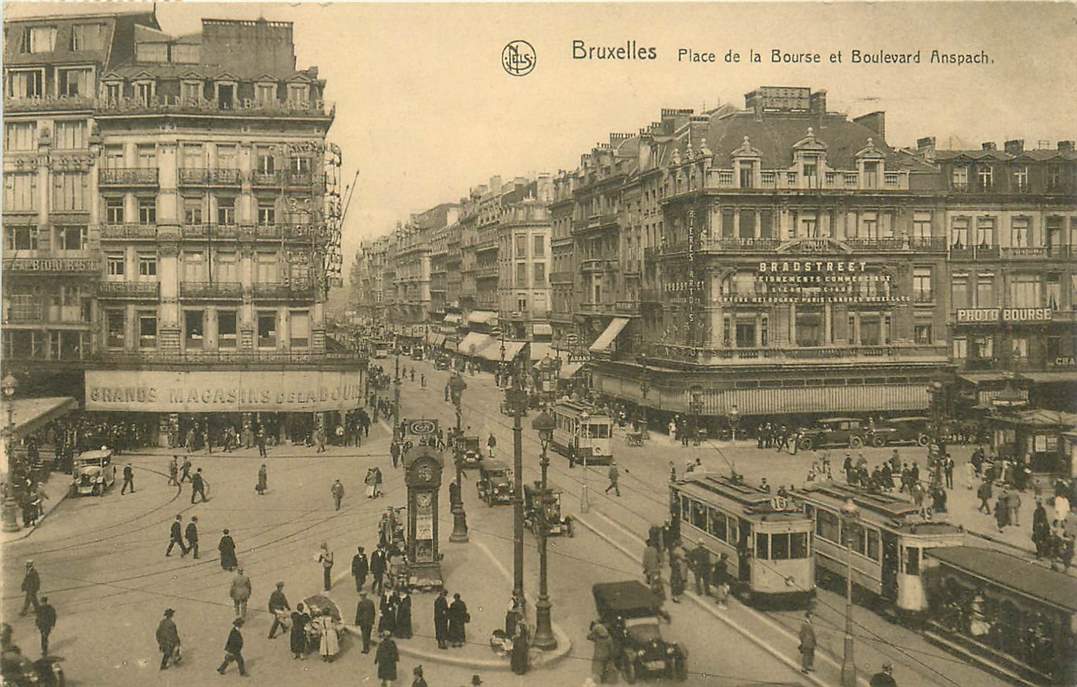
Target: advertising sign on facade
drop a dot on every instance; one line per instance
(1007, 315)
(167, 391)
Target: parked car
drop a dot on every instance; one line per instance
(495, 483)
(470, 451)
(628, 610)
(557, 523)
(835, 431)
(902, 430)
(93, 473)
(441, 364)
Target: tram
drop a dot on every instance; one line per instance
(993, 607)
(767, 539)
(582, 434)
(888, 540)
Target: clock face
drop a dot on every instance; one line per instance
(425, 472)
(423, 499)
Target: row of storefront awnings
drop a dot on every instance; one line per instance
(1041, 377)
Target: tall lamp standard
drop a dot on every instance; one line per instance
(11, 505)
(516, 399)
(644, 387)
(585, 489)
(850, 512)
(396, 398)
(459, 517)
(544, 639)
(734, 417)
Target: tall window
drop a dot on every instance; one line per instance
(226, 210)
(1019, 232)
(961, 348)
(922, 333)
(521, 275)
(225, 268)
(144, 91)
(75, 82)
(766, 224)
(28, 83)
(538, 247)
(265, 93)
(959, 291)
(70, 191)
(114, 157)
(20, 191)
(263, 160)
(985, 231)
(191, 91)
(71, 237)
(984, 176)
(921, 226)
(19, 136)
(267, 269)
(147, 330)
(985, 290)
(539, 275)
(116, 324)
(20, 237)
(192, 210)
(71, 134)
(147, 211)
(299, 328)
(194, 156)
(747, 224)
(300, 165)
(959, 178)
(1020, 179)
(809, 323)
(267, 329)
(959, 232)
(115, 264)
(297, 93)
(114, 211)
(267, 213)
(809, 227)
(922, 285)
(1025, 291)
(147, 266)
(1019, 347)
(38, 39)
(147, 156)
(226, 156)
(869, 225)
(86, 37)
(194, 334)
(983, 347)
(226, 329)
(194, 266)
(1053, 287)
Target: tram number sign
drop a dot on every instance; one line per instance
(422, 427)
(779, 503)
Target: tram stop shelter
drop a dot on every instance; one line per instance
(27, 416)
(1040, 435)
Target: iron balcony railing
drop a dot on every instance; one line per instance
(283, 290)
(178, 105)
(229, 356)
(127, 176)
(113, 232)
(219, 290)
(209, 176)
(128, 289)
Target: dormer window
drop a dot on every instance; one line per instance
(226, 95)
(191, 90)
(297, 93)
(959, 178)
(38, 39)
(29, 83)
(984, 178)
(86, 37)
(871, 174)
(112, 92)
(1020, 179)
(75, 82)
(144, 91)
(811, 170)
(265, 93)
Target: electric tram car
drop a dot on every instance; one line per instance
(767, 539)
(582, 440)
(888, 539)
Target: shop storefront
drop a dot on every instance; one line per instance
(286, 403)
(1038, 437)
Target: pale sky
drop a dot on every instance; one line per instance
(425, 110)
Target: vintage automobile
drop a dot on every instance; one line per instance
(18, 669)
(441, 363)
(495, 483)
(835, 431)
(628, 610)
(902, 430)
(470, 450)
(93, 473)
(533, 504)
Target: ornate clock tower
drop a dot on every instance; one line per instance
(422, 474)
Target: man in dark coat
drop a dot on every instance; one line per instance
(128, 479)
(46, 620)
(168, 640)
(227, 547)
(198, 486)
(360, 568)
(807, 644)
(31, 583)
(377, 569)
(701, 568)
(233, 649)
(458, 619)
(386, 659)
(1041, 529)
(298, 636)
(278, 604)
(192, 536)
(176, 537)
(984, 493)
(403, 615)
(884, 678)
(441, 619)
(364, 618)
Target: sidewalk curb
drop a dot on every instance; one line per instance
(25, 532)
(788, 662)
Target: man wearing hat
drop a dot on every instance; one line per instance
(386, 659)
(884, 678)
(168, 639)
(233, 649)
(364, 618)
(701, 568)
(476, 680)
(807, 644)
(31, 583)
(278, 604)
(419, 680)
(45, 621)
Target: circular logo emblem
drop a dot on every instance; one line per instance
(518, 58)
(422, 427)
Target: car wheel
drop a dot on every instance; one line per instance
(923, 440)
(805, 443)
(631, 672)
(878, 440)
(856, 442)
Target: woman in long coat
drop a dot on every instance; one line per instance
(227, 547)
(386, 658)
(520, 644)
(387, 612)
(298, 636)
(458, 619)
(403, 615)
(263, 480)
(330, 643)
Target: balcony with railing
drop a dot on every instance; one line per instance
(127, 176)
(163, 104)
(824, 355)
(294, 290)
(486, 271)
(959, 251)
(1036, 252)
(597, 265)
(215, 290)
(22, 311)
(212, 232)
(209, 176)
(831, 180)
(127, 232)
(626, 307)
(562, 277)
(132, 290)
(732, 244)
(596, 308)
(231, 357)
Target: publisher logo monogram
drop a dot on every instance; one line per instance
(518, 58)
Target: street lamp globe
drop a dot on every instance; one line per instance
(544, 424)
(9, 384)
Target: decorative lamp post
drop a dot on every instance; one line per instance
(11, 504)
(516, 399)
(644, 387)
(850, 512)
(585, 434)
(501, 365)
(543, 639)
(396, 398)
(457, 385)
(734, 417)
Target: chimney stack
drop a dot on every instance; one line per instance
(1065, 146)
(876, 121)
(926, 147)
(989, 145)
(1014, 147)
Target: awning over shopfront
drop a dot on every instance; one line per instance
(474, 342)
(613, 329)
(542, 329)
(482, 317)
(450, 343)
(569, 370)
(1051, 377)
(512, 349)
(984, 377)
(436, 339)
(539, 351)
(30, 414)
(452, 318)
(1041, 417)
